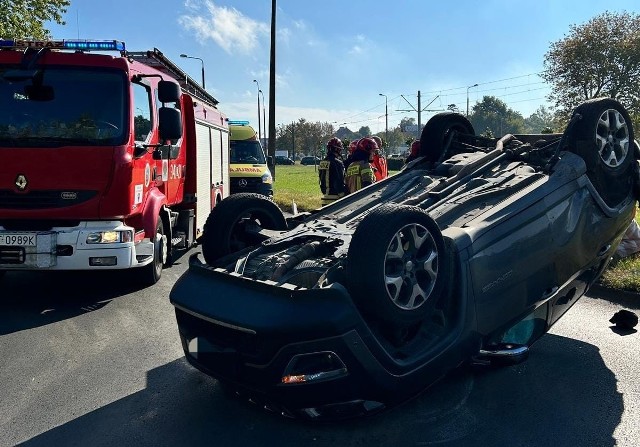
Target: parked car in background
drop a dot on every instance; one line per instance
(307, 161)
(284, 160)
(469, 254)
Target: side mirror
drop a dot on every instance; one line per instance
(270, 160)
(168, 91)
(170, 124)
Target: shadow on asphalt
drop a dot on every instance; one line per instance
(33, 299)
(564, 395)
(629, 300)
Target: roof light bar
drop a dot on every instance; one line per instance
(238, 123)
(81, 45)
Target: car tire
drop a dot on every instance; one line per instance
(223, 231)
(397, 265)
(604, 138)
(153, 271)
(436, 133)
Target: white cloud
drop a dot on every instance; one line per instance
(228, 27)
(356, 49)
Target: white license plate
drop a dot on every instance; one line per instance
(18, 239)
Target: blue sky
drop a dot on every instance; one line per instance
(334, 57)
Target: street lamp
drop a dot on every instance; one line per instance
(386, 119)
(202, 62)
(264, 119)
(471, 86)
(258, 96)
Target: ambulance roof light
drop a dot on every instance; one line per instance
(238, 123)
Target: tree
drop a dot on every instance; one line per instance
(598, 58)
(364, 131)
(539, 120)
(21, 19)
(494, 116)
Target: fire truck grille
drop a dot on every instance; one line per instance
(245, 184)
(34, 200)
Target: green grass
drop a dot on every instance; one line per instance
(624, 274)
(297, 183)
(300, 184)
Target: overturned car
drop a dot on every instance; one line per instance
(470, 253)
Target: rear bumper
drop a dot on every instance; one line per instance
(246, 334)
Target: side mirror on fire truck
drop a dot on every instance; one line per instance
(168, 91)
(169, 124)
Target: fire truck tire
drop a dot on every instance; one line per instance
(153, 271)
(224, 231)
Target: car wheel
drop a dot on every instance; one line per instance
(604, 138)
(224, 230)
(436, 133)
(397, 265)
(153, 271)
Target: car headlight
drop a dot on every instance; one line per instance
(266, 177)
(110, 237)
(305, 368)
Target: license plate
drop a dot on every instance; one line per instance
(18, 239)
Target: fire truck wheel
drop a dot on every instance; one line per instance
(235, 222)
(153, 271)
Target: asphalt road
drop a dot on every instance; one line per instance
(87, 360)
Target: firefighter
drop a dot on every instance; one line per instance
(331, 173)
(379, 162)
(360, 172)
(352, 148)
(415, 151)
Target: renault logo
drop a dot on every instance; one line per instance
(21, 182)
(242, 183)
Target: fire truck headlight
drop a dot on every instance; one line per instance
(266, 177)
(110, 237)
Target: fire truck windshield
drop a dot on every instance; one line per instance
(55, 106)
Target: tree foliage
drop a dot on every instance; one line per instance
(540, 121)
(492, 114)
(304, 137)
(21, 19)
(598, 58)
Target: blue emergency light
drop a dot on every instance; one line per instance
(238, 123)
(78, 45)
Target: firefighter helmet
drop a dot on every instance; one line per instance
(334, 145)
(415, 148)
(378, 141)
(352, 146)
(367, 145)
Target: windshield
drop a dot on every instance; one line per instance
(246, 151)
(62, 106)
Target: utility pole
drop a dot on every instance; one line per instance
(293, 138)
(419, 109)
(272, 93)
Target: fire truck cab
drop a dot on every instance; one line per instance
(108, 161)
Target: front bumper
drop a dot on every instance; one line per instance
(245, 334)
(65, 248)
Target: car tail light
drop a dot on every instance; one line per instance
(305, 368)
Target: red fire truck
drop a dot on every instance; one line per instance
(107, 161)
